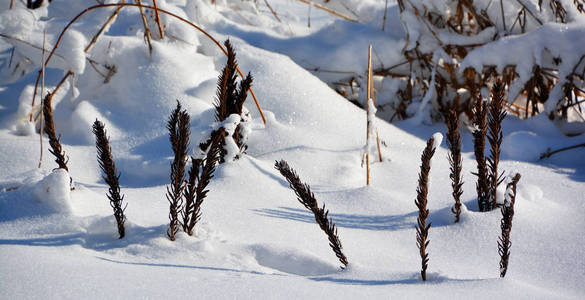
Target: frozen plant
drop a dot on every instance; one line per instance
(111, 175)
(179, 131)
(422, 229)
(307, 199)
(507, 210)
(233, 120)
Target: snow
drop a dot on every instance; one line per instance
(255, 241)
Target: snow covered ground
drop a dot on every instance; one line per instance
(255, 240)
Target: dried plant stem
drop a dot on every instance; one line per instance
(54, 141)
(157, 16)
(328, 10)
(111, 175)
(496, 115)
(42, 90)
(507, 210)
(422, 229)
(307, 198)
(455, 161)
(369, 121)
(103, 28)
(11, 4)
(207, 170)
(548, 153)
(272, 11)
(78, 16)
(179, 131)
(146, 28)
(479, 134)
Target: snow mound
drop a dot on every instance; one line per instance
(50, 195)
(292, 261)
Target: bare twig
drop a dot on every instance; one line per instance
(103, 28)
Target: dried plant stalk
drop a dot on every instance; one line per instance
(422, 229)
(328, 10)
(111, 175)
(207, 170)
(479, 134)
(507, 210)
(455, 161)
(147, 34)
(179, 131)
(157, 17)
(54, 141)
(230, 100)
(496, 115)
(307, 199)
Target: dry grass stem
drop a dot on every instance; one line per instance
(507, 210)
(147, 35)
(111, 175)
(307, 199)
(157, 16)
(422, 229)
(272, 11)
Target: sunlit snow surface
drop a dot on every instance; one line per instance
(255, 241)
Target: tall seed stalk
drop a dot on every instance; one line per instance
(496, 115)
(195, 194)
(179, 131)
(479, 134)
(307, 199)
(49, 128)
(455, 162)
(422, 229)
(111, 175)
(507, 210)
